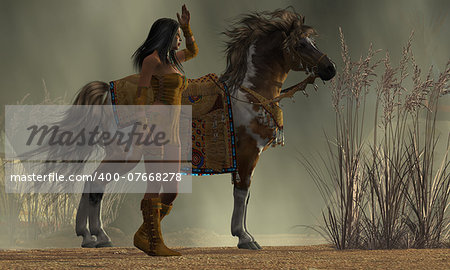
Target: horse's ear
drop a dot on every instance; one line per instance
(294, 25)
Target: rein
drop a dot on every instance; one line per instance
(288, 92)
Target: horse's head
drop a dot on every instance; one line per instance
(302, 54)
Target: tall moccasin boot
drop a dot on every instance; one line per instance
(154, 246)
(140, 237)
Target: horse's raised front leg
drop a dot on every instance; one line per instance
(238, 220)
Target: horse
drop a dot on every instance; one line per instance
(262, 48)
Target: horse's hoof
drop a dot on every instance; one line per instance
(249, 245)
(257, 245)
(89, 243)
(104, 244)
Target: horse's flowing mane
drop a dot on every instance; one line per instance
(251, 27)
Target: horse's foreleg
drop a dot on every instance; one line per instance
(247, 157)
(81, 220)
(238, 220)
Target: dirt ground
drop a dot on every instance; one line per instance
(270, 257)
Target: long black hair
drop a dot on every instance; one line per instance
(159, 38)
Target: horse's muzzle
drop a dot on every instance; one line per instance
(327, 70)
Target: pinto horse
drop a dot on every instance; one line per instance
(261, 49)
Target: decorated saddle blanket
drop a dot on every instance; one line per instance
(213, 138)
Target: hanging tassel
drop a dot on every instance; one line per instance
(282, 137)
(274, 142)
(267, 118)
(279, 137)
(260, 113)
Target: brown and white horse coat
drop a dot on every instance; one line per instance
(266, 70)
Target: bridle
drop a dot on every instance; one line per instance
(314, 67)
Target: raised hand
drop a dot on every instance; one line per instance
(185, 16)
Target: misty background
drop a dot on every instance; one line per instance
(70, 43)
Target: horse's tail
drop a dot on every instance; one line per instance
(71, 159)
(93, 93)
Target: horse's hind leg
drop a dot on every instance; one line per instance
(241, 196)
(81, 220)
(95, 220)
(97, 189)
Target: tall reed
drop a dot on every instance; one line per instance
(385, 191)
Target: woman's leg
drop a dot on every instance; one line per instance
(153, 156)
(172, 156)
(149, 238)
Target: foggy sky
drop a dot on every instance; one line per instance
(70, 43)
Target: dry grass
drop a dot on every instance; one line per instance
(31, 216)
(389, 191)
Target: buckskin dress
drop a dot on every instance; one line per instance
(167, 88)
